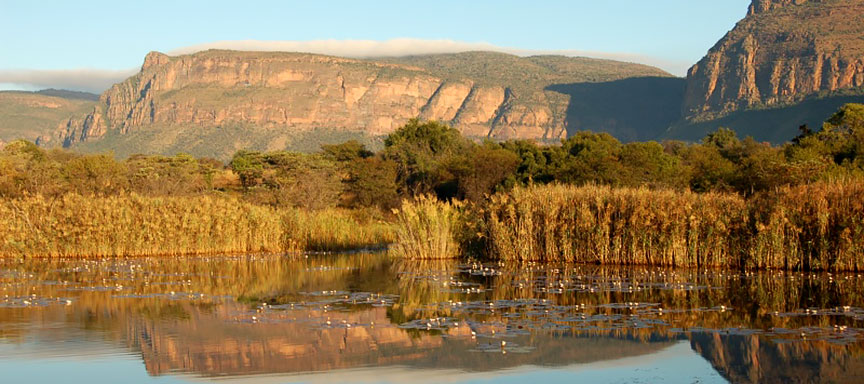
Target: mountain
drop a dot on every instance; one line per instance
(67, 94)
(215, 102)
(28, 115)
(787, 63)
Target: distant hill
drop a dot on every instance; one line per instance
(28, 115)
(789, 62)
(67, 94)
(215, 102)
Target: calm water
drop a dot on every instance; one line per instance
(367, 318)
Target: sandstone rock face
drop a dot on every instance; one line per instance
(760, 6)
(296, 92)
(783, 52)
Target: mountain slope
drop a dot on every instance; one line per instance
(215, 102)
(783, 53)
(28, 115)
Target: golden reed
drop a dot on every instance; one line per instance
(427, 229)
(810, 227)
(134, 225)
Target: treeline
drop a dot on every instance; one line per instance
(423, 158)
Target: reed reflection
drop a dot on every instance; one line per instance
(253, 315)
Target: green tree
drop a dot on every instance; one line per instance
(648, 164)
(95, 175)
(481, 170)
(419, 150)
(586, 157)
(29, 170)
(726, 141)
(249, 167)
(532, 162)
(708, 169)
(373, 182)
(350, 150)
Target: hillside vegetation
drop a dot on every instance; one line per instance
(28, 115)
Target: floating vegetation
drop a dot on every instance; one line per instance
(32, 301)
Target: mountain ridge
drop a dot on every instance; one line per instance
(483, 94)
(782, 53)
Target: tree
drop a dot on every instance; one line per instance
(419, 150)
(480, 171)
(248, 166)
(586, 157)
(29, 170)
(726, 141)
(350, 150)
(648, 164)
(843, 134)
(708, 169)
(95, 175)
(373, 182)
(532, 162)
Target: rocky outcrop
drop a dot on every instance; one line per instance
(759, 6)
(295, 92)
(783, 52)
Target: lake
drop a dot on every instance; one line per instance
(369, 318)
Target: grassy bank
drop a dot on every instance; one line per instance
(133, 225)
(810, 227)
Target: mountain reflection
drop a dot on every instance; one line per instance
(235, 316)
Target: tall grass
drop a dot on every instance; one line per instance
(133, 225)
(811, 227)
(597, 224)
(427, 229)
(334, 230)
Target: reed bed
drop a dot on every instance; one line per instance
(810, 227)
(338, 230)
(818, 226)
(605, 225)
(428, 229)
(134, 225)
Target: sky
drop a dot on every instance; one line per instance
(89, 44)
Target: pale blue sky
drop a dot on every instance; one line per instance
(115, 35)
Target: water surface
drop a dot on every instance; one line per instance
(372, 319)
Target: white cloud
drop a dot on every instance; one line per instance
(345, 48)
(405, 47)
(98, 80)
(89, 80)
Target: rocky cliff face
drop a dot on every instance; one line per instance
(783, 52)
(759, 6)
(291, 92)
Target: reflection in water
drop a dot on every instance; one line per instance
(233, 316)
